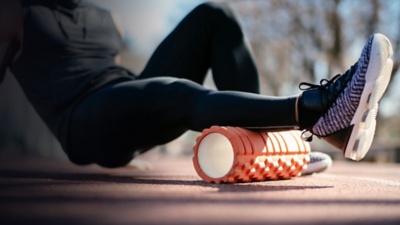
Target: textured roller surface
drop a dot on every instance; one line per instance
(257, 156)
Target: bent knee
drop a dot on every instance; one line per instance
(216, 11)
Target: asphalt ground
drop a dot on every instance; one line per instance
(48, 191)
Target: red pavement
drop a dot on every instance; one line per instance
(41, 191)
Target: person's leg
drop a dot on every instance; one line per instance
(120, 119)
(208, 37)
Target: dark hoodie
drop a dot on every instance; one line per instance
(68, 51)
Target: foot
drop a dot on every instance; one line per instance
(319, 162)
(348, 103)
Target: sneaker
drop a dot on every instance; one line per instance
(318, 163)
(349, 102)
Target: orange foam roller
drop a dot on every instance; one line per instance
(234, 154)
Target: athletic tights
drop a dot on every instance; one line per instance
(127, 117)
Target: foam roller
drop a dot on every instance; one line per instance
(234, 154)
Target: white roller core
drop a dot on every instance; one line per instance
(215, 155)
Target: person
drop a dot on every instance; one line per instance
(63, 53)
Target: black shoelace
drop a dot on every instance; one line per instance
(333, 87)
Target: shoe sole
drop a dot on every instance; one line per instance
(317, 167)
(233, 154)
(377, 79)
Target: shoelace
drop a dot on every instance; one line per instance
(337, 84)
(324, 83)
(307, 135)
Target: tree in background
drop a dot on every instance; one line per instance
(309, 40)
(296, 41)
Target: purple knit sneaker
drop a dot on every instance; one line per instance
(350, 101)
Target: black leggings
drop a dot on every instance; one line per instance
(126, 117)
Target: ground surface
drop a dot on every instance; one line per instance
(40, 191)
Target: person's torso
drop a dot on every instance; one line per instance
(64, 52)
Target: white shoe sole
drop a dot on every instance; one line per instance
(319, 166)
(377, 79)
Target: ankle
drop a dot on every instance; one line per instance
(308, 110)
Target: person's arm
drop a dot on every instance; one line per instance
(11, 18)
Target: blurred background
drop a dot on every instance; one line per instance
(292, 41)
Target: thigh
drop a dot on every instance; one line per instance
(127, 117)
(185, 52)
(209, 37)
